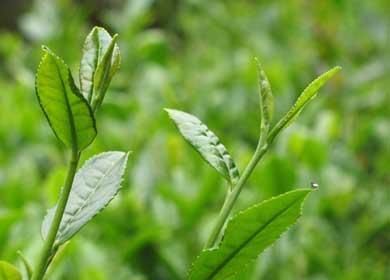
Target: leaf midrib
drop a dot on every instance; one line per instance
(68, 109)
(249, 239)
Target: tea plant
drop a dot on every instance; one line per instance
(236, 241)
(70, 111)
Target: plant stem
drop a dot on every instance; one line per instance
(47, 249)
(233, 195)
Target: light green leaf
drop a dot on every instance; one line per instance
(248, 234)
(26, 264)
(206, 143)
(94, 186)
(100, 61)
(68, 113)
(9, 272)
(308, 94)
(266, 98)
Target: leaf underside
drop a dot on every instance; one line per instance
(248, 234)
(94, 186)
(68, 113)
(9, 272)
(100, 61)
(309, 93)
(206, 143)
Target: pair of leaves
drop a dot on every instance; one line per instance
(94, 186)
(247, 235)
(100, 61)
(69, 111)
(9, 272)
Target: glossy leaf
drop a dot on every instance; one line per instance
(67, 111)
(9, 272)
(266, 97)
(94, 186)
(206, 143)
(248, 234)
(100, 61)
(307, 95)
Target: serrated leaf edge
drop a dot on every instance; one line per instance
(75, 91)
(248, 209)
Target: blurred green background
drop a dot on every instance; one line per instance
(197, 56)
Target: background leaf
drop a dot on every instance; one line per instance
(100, 61)
(206, 143)
(9, 272)
(67, 111)
(308, 94)
(94, 186)
(248, 234)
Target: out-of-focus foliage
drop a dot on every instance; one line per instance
(197, 56)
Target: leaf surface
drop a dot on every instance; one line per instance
(94, 186)
(68, 113)
(100, 61)
(248, 234)
(206, 143)
(9, 272)
(307, 95)
(266, 97)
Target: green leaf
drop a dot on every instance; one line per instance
(248, 234)
(94, 186)
(308, 94)
(9, 272)
(266, 98)
(206, 143)
(68, 113)
(26, 264)
(99, 63)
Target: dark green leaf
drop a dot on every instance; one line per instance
(248, 234)
(206, 143)
(67, 111)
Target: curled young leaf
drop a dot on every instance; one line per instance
(247, 235)
(206, 143)
(99, 63)
(266, 99)
(94, 186)
(9, 272)
(308, 94)
(67, 111)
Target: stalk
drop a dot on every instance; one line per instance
(47, 250)
(231, 198)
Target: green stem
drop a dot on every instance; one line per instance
(47, 250)
(233, 195)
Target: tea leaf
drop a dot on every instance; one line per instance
(100, 61)
(248, 234)
(94, 186)
(68, 113)
(266, 97)
(9, 272)
(206, 143)
(308, 94)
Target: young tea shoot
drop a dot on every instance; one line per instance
(234, 242)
